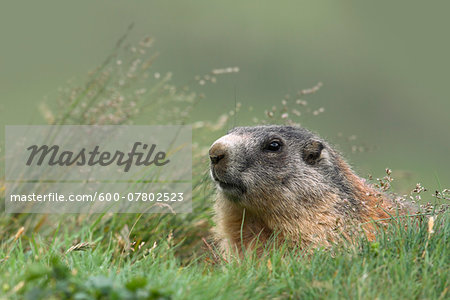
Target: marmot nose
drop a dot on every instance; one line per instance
(217, 153)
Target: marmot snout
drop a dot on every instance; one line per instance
(287, 180)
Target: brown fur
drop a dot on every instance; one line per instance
(319, 216)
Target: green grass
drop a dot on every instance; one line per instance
(403, 263)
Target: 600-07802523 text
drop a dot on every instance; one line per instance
(102, 197)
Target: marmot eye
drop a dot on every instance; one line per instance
(274, 146)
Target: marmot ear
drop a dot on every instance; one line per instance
(312, 151)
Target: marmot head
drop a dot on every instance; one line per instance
(254, 165)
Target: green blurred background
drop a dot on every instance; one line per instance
(384, 65)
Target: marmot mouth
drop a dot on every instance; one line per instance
(233, 191)
(226, 185)
(235, 188)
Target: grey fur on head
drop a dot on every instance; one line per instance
(250, 161)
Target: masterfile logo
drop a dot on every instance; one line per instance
(94, 157)
(80, 169)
